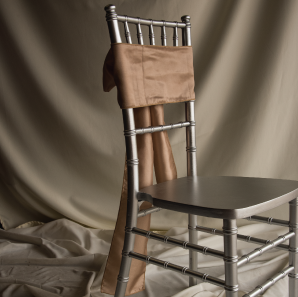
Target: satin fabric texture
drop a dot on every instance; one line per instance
(145, 75)
(153, 149)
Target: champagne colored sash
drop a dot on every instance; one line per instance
(146, 77)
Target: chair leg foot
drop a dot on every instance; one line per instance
(293, 250)
(230, 257)
(193, 255)
(123, 276)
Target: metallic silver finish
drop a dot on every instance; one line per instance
(130, 132)
(130, 140)
(132, 202)
(163, 35)
(191, 139)
(151, 34)
(293, 250)
(184, 270)
(139, 33)
(193, 256)
(127, 32)
(226, 197)
(147, 22)
(230, 257)
(184, 244)
(163, 127)
(241, 237)
(175, 36)
(259, 251)
(268, 220)
(145, 212)
(191, 153)
(195, 200)
(186, 37)
(132, 171)
(270, 282)
(112, 22)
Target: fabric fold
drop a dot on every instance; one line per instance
(146, 77)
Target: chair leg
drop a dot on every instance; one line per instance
(230, 257)
(293, 250)
(131, 221)
(193, 255)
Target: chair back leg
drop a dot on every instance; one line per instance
(131, 222)
(230, 257)
(123, 276)
(132, 201)
(293, 250)
(191, 156)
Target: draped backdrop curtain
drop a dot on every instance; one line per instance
(61, 137)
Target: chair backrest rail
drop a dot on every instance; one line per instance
(146, 22)
(163, 128)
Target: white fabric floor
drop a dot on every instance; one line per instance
(62, 258)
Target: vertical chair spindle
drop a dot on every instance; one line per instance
(191, 157)
(230, 257)
(151, 34)
(126, 30)
(139, 33)
(163, 35)
(175, 35)
(293, 250)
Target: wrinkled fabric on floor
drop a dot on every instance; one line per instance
(63, 258)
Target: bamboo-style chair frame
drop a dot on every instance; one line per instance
(229, 232)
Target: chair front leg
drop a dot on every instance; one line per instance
(193, 255)
(230, 257)
(293, 250)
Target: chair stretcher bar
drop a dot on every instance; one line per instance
(268, 220)
(184, 244)
(143, 213)
(184, 270)
(163, 127)
(259, 251)
(242, 237)
(123, 18)
(261, 289)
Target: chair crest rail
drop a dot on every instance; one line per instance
(148, 22)
(158, 128)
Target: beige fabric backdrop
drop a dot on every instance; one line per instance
(62, 147)
(62, 258)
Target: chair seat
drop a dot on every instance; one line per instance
(224, 197)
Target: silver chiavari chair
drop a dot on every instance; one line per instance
(227, 198)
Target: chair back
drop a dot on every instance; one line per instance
(130, 131)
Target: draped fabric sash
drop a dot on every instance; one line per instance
(146, 77)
